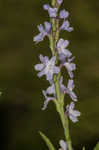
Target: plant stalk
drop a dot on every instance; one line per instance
(60, 98)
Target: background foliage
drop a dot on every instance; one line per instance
(20, 104)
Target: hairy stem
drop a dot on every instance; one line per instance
(60, 98)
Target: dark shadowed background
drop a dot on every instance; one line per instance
(21, 116)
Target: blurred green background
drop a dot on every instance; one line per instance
(21, 116)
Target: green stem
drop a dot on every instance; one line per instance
(54, 37)
(65, 123)
(53, 3)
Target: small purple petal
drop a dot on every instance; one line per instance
(70, 67)
(77, 113)
(66, 26)
(71, 74)
(73, 96)
(63, 14)
(53, 59)
(56, 70)
(41, 73)
(44, 59)
(71, 59)
(40, 28)
(47, 100)
(44, 31)
(61, 79)
(62, 58)
(59, 2)
(51, 89)
(45, 104)
(38, 38)
(49, 76)
(62, 87)
(46, 6)
(39, 67)
(73, 118)
(72, 114)
(65, 43)
(52, 12)
(47, 26)
(62, 43)
(62, 51)
(70, 84)
(41, 58)
(69, 91)
(73, 66)
(66, 52)
(71, 106)
(69, 29)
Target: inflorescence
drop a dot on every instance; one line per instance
(50, 68)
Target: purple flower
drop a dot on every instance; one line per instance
(62, 51)
(66, 26)
(63, 145)
(62, 87)
(72, 114)
(46, 6)
(52, 11)
(47, 67)
(47, 100)
(51, 91)
(44, 31)
(69, 90)
(71, 59)
(63, 14)
(70, 67)
(59, 2)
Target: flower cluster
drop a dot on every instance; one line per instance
(50, 68)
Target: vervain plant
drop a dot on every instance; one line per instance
(52, 69)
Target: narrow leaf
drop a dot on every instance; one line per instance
(47, 141)
(97, 146)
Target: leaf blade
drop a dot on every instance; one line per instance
(47, 141)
